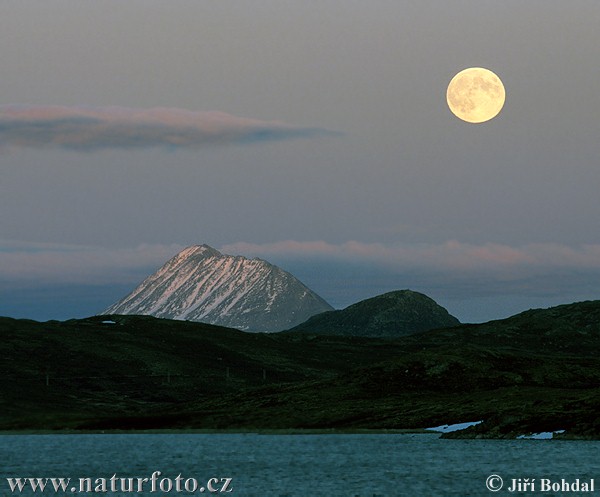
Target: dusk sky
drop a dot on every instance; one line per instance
(315, 135)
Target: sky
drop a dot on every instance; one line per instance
(315, 135)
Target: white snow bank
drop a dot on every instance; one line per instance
(454, 427)
(544, 435)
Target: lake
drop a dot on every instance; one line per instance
(344, 465)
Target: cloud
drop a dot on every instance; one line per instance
(451, 269)
(93, 128)
(27, 265)
(452, 266)
(448, 256)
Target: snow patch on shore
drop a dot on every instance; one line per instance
(454, 427)
(544, 435)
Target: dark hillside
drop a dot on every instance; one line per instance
(537, 371)
(392, 314)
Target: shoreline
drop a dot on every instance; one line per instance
(294, 431)
(233, 431)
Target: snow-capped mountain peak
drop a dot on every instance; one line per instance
(202, 284)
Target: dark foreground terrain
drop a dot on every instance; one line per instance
(537, 371)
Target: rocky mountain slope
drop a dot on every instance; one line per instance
(392, 314)
(201, 284)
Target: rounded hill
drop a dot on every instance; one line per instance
(393, 314)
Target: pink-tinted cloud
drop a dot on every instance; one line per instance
(448, 257)
(452, 266)
(452, 270)
(38, 264)
(92, 128)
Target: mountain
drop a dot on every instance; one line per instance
(392, 314)
(202, 284)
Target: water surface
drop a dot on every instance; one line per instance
(344, 465)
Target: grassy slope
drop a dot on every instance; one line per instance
(538, 371)
(146, 365)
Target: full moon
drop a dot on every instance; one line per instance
(475, 95)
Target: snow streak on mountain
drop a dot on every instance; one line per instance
(201, 284)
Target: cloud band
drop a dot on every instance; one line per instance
(451, 268)
(90, 129)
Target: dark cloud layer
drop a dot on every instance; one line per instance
(89, 129)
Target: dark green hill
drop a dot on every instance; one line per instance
(537, 371)
(392, 314)
(110, 366)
